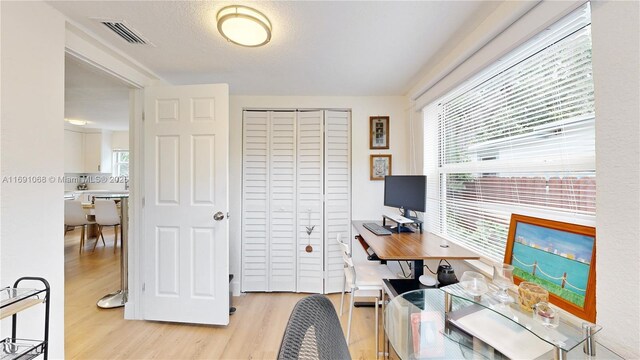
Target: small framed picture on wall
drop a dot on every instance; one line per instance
(380, 166)
(378, 132)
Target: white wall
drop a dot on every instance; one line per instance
(120, 140)
(366, 195)
(615, 30)
(616, 76)
(32, 130)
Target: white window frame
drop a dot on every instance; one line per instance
(116, 162)
(436, 172)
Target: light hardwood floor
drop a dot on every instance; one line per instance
(254, 331)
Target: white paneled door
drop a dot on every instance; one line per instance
(186, 242)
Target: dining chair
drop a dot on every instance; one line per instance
(106, 214)
(75, 216)
(364, 281)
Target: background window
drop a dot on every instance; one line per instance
(517, 138)
(120, 163)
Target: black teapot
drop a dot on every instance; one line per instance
(446, 275)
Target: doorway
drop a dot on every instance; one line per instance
(202, 129)
(97, 162)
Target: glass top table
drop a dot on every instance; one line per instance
(425, 324)
(566, 336)
(415, 327)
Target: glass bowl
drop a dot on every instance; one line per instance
(546, 315)
(474, 283)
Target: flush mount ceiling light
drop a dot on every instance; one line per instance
(244, 26)
(76, 122)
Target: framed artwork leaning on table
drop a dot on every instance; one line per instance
(558, 256)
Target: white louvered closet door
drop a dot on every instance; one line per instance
(296, 173)
(337, 190)
(255, 201)
(310, 186)
(282, 190)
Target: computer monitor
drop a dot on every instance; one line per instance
(407, 192)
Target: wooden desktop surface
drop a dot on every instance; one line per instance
(411, 246)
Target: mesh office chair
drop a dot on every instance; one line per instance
(313, 332)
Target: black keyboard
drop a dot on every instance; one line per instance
(376, 229)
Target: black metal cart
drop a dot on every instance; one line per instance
(14, 300)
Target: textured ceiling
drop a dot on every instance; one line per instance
(94, 96)
(317, 48)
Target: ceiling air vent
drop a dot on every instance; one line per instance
(124, 31)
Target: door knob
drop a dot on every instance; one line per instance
(218, 216)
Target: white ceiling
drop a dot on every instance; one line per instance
(317, 48)
(94, 96)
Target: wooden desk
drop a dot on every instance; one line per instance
(412, 246)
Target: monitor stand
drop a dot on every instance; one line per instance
(403, 229)
(400, 226)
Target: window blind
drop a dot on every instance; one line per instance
(517, 138)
